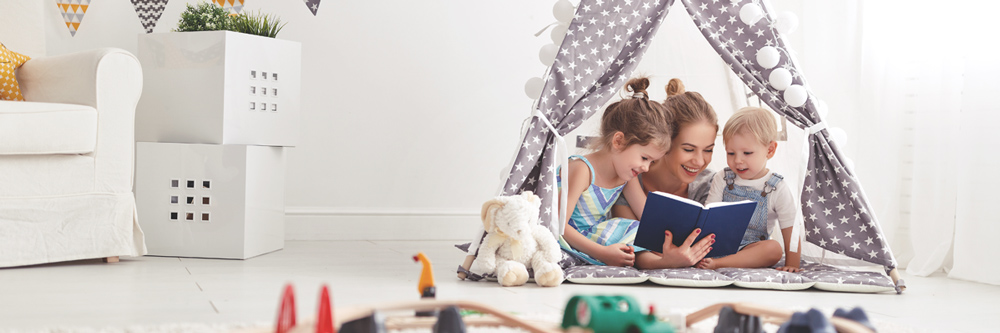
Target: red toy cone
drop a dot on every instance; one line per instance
(286, 313)
(324, 321)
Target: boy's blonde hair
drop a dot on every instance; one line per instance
(759, 122)
(641, 120)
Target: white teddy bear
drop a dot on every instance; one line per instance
(515, 241)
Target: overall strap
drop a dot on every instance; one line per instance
(730, 177)
(771, 184)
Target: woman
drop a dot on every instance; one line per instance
(682, 171)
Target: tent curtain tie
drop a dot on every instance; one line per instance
(558, 198)
(815, 128)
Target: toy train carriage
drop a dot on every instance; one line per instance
(611, 314)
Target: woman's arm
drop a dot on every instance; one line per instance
(715, 192)
(614, 255)
(791, 258)
(636, 198)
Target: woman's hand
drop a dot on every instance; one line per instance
(617, 255)
(686, 255)
(789, 269)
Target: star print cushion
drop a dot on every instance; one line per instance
(766, 278)
(596, 274)
(833, 279)
(688, 277)
(10, 61)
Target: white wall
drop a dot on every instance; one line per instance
(411, 109)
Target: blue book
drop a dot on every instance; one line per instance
(665, 211)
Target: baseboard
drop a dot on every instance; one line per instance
(324, 223)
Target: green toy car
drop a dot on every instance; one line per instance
(607, 314)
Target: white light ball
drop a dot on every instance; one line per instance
(768, 57)
(751, 13)
(533, 88)
(786, 22)
(780, 78)
(822, 109)
(547, 54)
(839, 136)
(796, 95)
(558, 33)
(564, 11)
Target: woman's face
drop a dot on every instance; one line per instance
(690, 152)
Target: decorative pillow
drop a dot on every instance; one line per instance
(688, 277)
(766, 278)
(9, 61)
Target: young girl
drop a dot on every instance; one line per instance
(634, 132)
(750, 138)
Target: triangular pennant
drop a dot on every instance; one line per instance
(149, 12)
(233, 6)
(313, 5)
(72, 12)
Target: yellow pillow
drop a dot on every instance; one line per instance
(9, 61)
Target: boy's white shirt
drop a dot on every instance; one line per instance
(782, 205)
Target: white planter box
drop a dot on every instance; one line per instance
(219, 87)
(210, 201)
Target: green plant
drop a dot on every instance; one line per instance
(257, 24)
(204, 17)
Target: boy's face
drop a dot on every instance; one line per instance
(747, 157)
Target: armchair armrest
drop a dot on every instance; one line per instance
(106, 75)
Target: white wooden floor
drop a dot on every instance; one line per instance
(159, 290)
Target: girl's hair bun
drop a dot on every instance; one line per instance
(675, 87)
(638, 85)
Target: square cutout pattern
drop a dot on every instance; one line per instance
(190, 199)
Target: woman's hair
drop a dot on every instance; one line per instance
(641, 120)
(756, 121)
(687, 107)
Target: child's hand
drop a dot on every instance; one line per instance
(790, 269)
(617, 255)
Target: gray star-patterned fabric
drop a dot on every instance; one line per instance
(837, 216)
(149, 12)
(602, 48)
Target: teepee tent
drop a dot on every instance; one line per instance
(604, 44)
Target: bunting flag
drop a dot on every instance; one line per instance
(72, 12)
(234, 6)
(313, 5)
(149, 12)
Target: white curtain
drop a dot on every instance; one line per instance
(925, 109)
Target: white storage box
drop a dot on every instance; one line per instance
(210, 201)
(219, 87)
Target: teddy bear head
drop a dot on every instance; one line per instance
(512, 215)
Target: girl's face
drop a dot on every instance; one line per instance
(690, 152)
(747, 157)
(635, 159)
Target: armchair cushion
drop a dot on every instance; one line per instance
(31, 128)
(10, 61)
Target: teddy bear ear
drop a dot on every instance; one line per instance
(489, 212)
(531, 197)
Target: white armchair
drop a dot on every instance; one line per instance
(66, 160)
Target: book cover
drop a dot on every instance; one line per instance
(665, 211)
